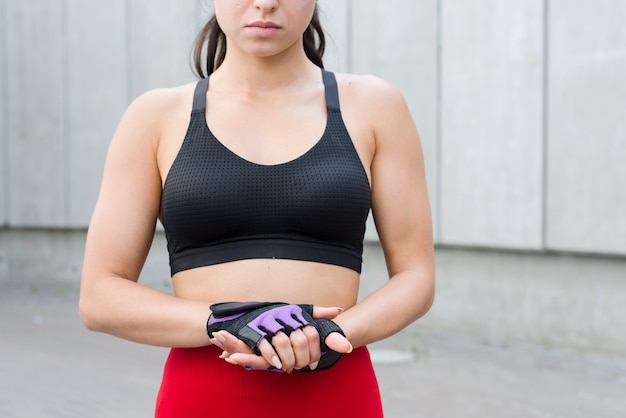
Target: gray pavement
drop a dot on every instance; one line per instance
(50, 366)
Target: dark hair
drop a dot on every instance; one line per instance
(212, 36)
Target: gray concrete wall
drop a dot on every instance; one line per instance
(36, 122)
(521, 106)
(491, 123)
(70, 69)
(586, 151)
(95, 94)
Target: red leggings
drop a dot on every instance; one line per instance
(196, 383)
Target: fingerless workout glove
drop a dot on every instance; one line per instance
(253, 321)
(329, 357)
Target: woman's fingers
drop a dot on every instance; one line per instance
(270, 353)
(301, 347)
(294, 352)
(228, 342)
(246, 360)
(335, 340)
(237, 352)
(327, 313)
(313, 342)
(338, 343)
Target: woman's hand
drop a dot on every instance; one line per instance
(294, 352)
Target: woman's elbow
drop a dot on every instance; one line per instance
(427, 290)
(430, 300)
(88, 310)
(86, 314)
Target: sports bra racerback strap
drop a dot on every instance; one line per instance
(199, 95)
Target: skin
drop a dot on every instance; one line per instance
(266, 89)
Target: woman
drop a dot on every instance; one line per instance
(263, 193)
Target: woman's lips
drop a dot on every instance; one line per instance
(263, 29)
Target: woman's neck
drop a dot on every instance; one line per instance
(243, 72)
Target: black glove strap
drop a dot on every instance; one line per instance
(329, 357)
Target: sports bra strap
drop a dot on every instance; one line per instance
(332, 94)
(199, 95)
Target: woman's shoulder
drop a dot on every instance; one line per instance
(372, 98)
(162, 101)
(151, 113)
(367, 85)
(370, 94)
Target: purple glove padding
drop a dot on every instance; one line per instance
(253, 321)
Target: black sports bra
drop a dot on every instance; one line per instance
(218, 207)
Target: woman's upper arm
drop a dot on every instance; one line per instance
(400, 203)
(124, 219)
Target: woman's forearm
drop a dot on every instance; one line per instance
(134, 312)
(406, 297)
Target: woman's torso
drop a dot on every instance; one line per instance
(285, 126)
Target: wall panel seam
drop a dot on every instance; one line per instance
(439, 121)
(349, 37)
(545, 125)
(65, 119)
(4, 130)
(128, 36)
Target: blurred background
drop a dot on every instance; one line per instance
(521, 107)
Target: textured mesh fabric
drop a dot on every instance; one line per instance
(218, 207)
